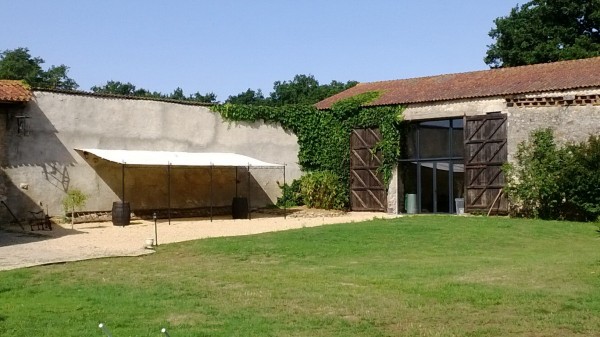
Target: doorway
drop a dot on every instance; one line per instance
(431, 173)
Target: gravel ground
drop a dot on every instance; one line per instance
(19, 249)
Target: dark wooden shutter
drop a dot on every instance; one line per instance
(366, 184)
(485, 153)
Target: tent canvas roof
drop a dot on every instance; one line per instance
(164, 158)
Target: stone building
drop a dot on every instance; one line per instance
(52, 142)
(463, 127)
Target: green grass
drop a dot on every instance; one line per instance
(412, 276)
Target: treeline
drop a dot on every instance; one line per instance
(18, 64)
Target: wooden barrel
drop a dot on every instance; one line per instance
(239, 208)
(121, 213)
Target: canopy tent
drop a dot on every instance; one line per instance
(164, 158)
(184, 159)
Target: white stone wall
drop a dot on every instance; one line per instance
(43, 165)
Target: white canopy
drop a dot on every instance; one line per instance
(164, 158)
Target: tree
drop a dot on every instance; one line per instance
(303, 89)
(129, 89)
(119, 88)
(249, 97)
(545, 31)
(18, 64)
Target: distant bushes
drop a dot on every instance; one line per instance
(551, 182)
(319, 189)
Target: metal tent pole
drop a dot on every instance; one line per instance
(284, 201)
(211, 192)
(249, 194)
(169, 192)
(123, 182)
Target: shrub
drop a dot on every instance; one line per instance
(323, 189)
(549, 182)
(291, 195)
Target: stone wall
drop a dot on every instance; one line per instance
(43, 165)
(570, 122)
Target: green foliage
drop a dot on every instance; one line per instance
(290, 195)
(248, 97)
(324, 136)
(555, 183)
(18, 64)
(543, 31)
(323, 189)
(128, 89)
(75, 199)
(303, 89)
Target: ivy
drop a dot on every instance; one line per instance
(324, 135)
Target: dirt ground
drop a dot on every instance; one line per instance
(24, 248)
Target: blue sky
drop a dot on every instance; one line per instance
(229, 46)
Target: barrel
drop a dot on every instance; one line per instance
(239, 208)
(121, 213)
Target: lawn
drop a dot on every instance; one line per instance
(411, 276)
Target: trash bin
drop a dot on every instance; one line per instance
(410, 203)
(460, 205)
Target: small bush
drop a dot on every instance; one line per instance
(323, 189)
(291, 195)
(549, 182)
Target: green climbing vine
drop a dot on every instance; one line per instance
(324, 135)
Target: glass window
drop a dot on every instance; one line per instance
(458, 138)
(434, 139)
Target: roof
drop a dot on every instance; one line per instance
(164, 158)
(575, 74)
(14, 91)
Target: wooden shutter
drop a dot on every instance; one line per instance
(366, 184)
(485, 153)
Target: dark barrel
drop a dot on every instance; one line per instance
(239, 208)
(121, 213)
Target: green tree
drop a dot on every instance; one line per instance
(302, 89)
(305, 89)
(249, 97)
(18, 64)
(545, 31)
(119, 88)
(129, 89)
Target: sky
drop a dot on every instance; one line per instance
(228, 46)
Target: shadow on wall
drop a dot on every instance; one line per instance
(147, 188)
(21, 206)
(37, 144)
(35, 165)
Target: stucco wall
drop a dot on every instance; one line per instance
(43, 165)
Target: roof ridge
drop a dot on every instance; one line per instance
(503, 69)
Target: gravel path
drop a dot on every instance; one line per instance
(20, 248)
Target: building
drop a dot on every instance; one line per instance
(461, 128)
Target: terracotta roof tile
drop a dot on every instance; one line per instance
(563, 75)
(14, 91)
